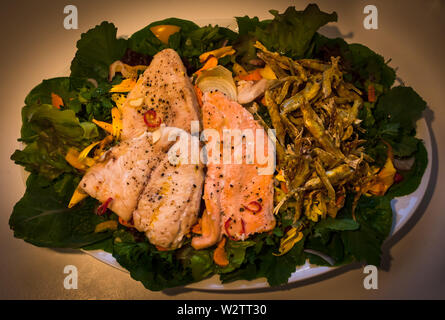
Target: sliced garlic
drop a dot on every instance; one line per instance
(136, 102)
(156, 135)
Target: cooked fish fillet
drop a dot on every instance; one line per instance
(124, 172)
(162, 199)
(165, 88)
(169, 204)
(230, 188)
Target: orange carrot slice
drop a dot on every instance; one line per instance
(199, 95)
(56, 100)
(253, 75)
(210, 63)
(220, 255)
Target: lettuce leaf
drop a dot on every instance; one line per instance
(291, 32)
(400, 105)
(49, 132)
(392, 120)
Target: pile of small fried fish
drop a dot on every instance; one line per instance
(315, 115)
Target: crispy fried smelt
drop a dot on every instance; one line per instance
(335, 176)
(314, 124)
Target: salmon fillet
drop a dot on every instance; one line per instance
(165, 88)
(230, 188)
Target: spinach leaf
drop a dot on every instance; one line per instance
(374, 214)
(361, 64)
(156, 270)
(260, 262)
(42, 218)
(190, 42)
(97, 49)
(413, 177)
(400, 105)
(236, 253)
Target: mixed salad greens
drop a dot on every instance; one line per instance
(58, 117)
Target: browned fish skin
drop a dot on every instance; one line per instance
(165, 88)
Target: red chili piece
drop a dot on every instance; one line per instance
(254, 206)
(243, 227)
(103, 207)
(226, 226)
(398, 177)
(150, 119)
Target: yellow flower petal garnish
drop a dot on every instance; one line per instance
(84, 153)
(105, 226)
(126, 70)
(119, 99)
(280, 176)
(72, 157)
(125, 86)
(108, 127)
(267, 73)
(78, 196)
(217, 53)
(288, 241)
(117, 122)
(239, 70)
(384, 179)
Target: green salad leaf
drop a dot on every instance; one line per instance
(413, 177)
(190, 42)
(291, 32)
(374, 215)
(361, 63)
(49, 132)
(400, 105)
(156, 270)
(260, 261)
(144, 41)
(42, 218)
(97, 49)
